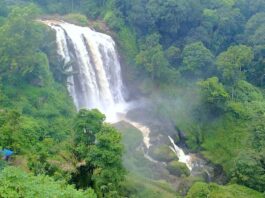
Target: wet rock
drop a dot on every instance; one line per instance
(162, 153)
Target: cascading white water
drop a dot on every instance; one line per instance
(92, 57)
(144, 130)
(186, 159)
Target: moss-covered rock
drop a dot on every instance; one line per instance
(177, 168)
(163, 153)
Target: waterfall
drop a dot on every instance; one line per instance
(186, 159)
(96, 81)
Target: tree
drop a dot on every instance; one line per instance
(10, 127)
(138, 16)
(99, 150)
(255, 29)
(232, 63)
(173, 18)
(60, 6)
(254, 23)
(153, 59)
(214, 94)
(92, 8)
(173, 55)
(254, 34)
(106, 156)
(87, 124)
(20, 42)
(249, 170)
(249, 8)
(223, 24)
(197, 61)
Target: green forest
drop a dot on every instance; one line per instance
(202, 63)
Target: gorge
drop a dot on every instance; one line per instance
(95, 81)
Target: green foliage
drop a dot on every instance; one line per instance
(36, 112)
(127, 41)
(249, 170)
(213, 93)
(16, 183)
(98, 145)
(92, 8)
(87, 124)
(258, 138)
(202, 190)
(173, 55)
(17, 133)
(106, 157)
(20, 53)
(242, 158)
(113, 21)
(40, 120)
(254, 23)
(246, 92)
(197, 60)
(60, 6)
(153, 60)
(3, 164)
(233, 62)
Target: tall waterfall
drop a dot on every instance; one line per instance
(96, 81)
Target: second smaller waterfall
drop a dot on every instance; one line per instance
(186, 159)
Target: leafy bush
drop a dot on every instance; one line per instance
(202, 190)
(16, 183)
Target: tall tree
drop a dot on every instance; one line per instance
(198, 61)
(99, 150)
(232, 63)
(20, 40)
(214, 95)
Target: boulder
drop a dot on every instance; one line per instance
(177, 168)
(162, 153)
